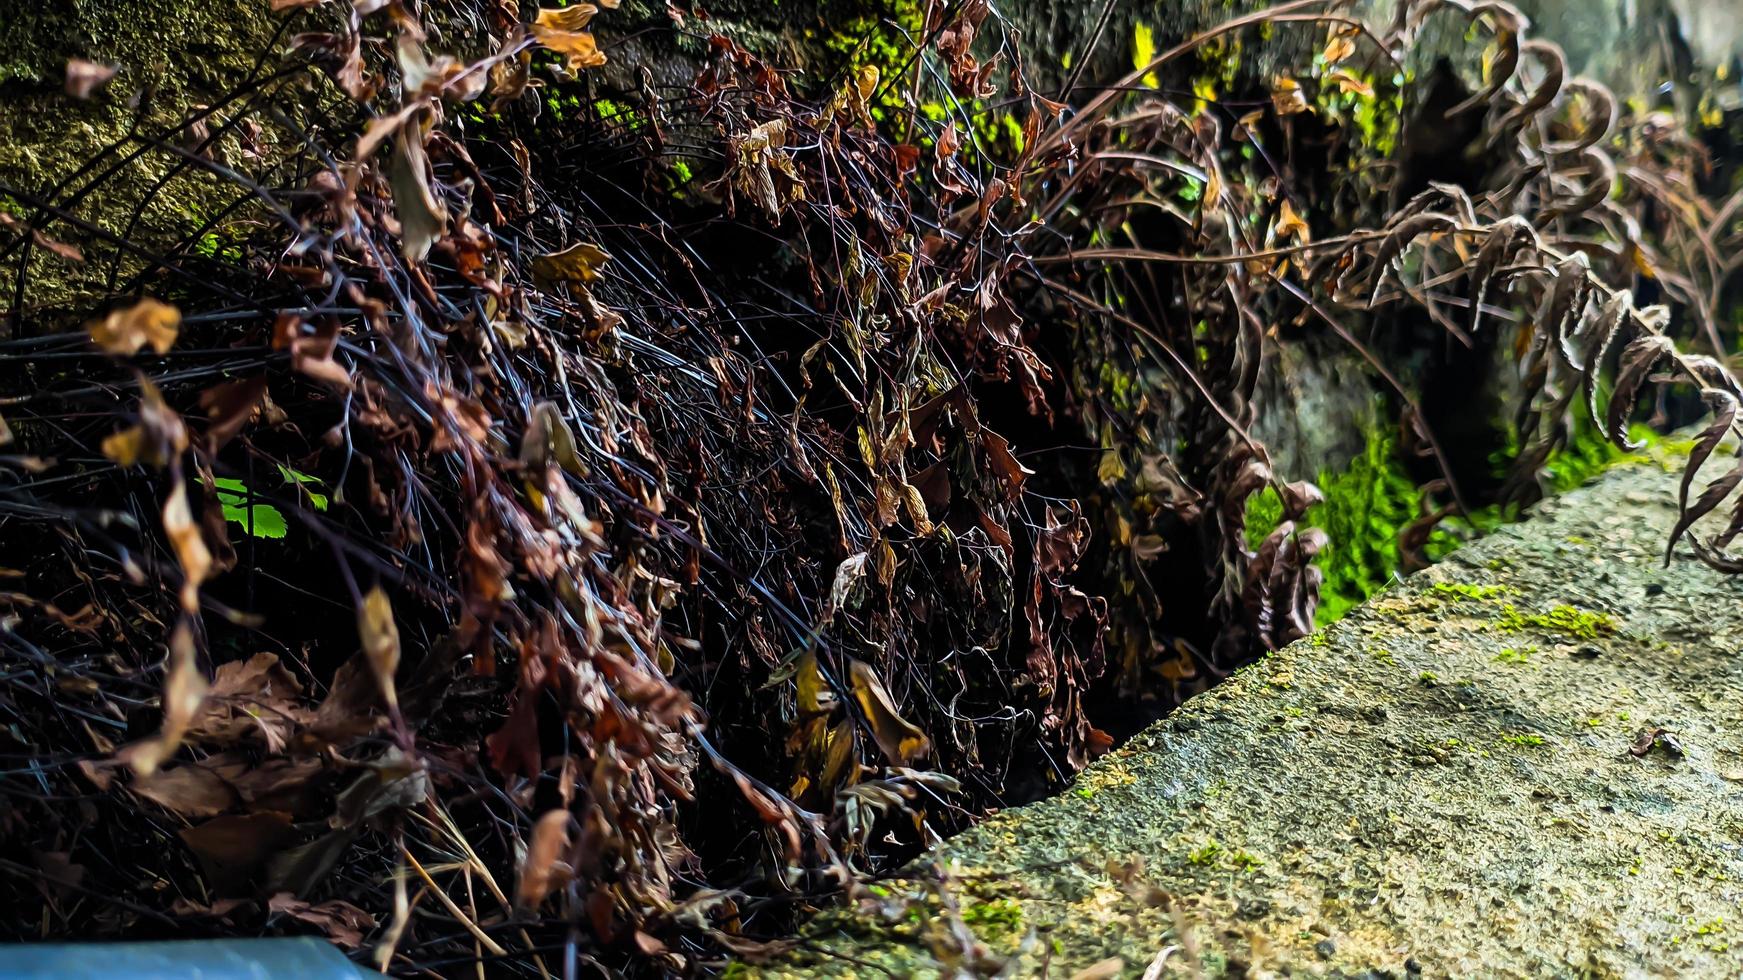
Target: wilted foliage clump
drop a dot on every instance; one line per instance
(542, 523)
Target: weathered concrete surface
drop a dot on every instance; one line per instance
(1441, 783)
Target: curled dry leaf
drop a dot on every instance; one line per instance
(579, 262)
(899, 739)
(148, 321)
(345, 924)
(1287, 98)
(184, 692)
(563, 30)
(544, 869)
(422, 217)
(757, 157)
(1290, 226)
(69, 252)
(191, 790)
(190, 547)
(380, 642)
(248, 696)
(1638, 359)
(156, 441)
(1723, 405)
(229, 406)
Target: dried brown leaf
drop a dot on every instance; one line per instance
(232, 849)
(380, 635)
(1638, 359)
(345, 924)
(192, 790)
(1723, 405)
(579, 262)
(422, 218)
(900, 740)
(544, 868)
(126, 330)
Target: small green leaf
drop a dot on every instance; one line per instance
(260, 520)
(319, 500)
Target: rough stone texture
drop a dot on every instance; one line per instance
(1435, 783)
(171, 56)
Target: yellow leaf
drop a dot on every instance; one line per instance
(159, 437)
(1111, 469)
(380, 641)
(1642, 263)
(867, 81)
(1339, 48)
(577, 47)
(565, 18)
(1289, 224)
(899, 740)
(1351, 84)
(1287, 97)
(579, 262)
(189, 546)
(1213, 188)
(145, 322)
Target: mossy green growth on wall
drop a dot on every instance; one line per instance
(1369, 503)
(884, 40)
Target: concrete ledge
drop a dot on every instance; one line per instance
(1442, 783)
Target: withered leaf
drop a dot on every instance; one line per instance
(1723, 405)
(231, 849)
(1290, 226)
(229, 406)
(563, 30)
(190, 548)
(159, 437)
(1287, 98)
(1506, 238)
(1637, 362)
(1350, 84)
(192, 790)
(1400, 237)
(579, 262)
(253, 695)
(422, 218)
(549, 439)
(848, 575)
(544, 868)
(148, 321)
(184, 691)
(69, 252)
(300, 869)
(574, 18)
(395, 782)
(380, 635)
(899, 740)
(345, 924)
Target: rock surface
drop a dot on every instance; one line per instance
(1441, 783)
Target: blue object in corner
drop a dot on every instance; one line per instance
(301, 958)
